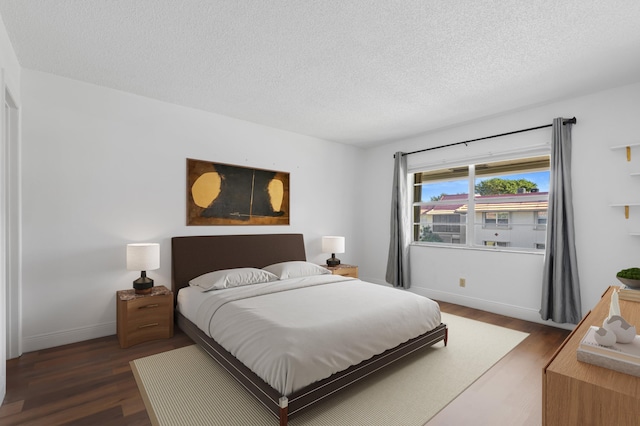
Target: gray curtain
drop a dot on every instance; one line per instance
(398, 261)
(560, 284)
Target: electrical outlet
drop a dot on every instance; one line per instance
(463, 282)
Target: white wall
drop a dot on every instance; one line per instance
(102, 168)
(510, 283)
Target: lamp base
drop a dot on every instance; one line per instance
(143, 285)
(333, 261)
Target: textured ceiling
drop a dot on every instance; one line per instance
(359, 72)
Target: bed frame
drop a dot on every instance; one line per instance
(194, 256)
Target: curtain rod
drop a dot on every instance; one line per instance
(567, 121)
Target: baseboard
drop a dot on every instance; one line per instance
(526, 314)
(64, 337)
(523, 313)
(375, 281)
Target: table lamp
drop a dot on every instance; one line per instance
(333, 245)
(143, 257)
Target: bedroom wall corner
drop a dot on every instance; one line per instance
(10, 327)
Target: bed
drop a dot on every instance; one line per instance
(277, 300)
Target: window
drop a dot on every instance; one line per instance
(496, 243)
(446, 223)
(508, 207)
(495, 219)
(437, 220)
(541, 219)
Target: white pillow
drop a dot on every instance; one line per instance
(227, 278)
(296, 268)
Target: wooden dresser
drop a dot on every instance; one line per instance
(577, 393)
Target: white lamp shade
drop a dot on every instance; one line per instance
(143, 257)
(332, 244)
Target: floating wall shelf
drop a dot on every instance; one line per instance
(626, 207)
(627, 147)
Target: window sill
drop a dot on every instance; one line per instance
(479, 248)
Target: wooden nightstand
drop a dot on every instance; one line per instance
(344, 270)
(144, 317)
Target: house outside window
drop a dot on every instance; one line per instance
(508, 207)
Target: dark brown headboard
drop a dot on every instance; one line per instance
(194, 256)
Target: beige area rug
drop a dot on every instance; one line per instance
(186, 387)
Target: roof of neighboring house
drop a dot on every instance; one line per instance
(533, 203)
(448, 197)
(445, 208)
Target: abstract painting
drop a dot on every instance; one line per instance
(225, 194)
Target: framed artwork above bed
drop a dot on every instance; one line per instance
(225, 194)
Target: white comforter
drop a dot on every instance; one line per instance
(294, 332)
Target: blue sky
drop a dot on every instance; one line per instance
(462, 186)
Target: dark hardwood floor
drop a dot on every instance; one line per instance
(85, 383)
(90, 383)
(510, 393)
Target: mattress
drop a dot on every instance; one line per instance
(297, 331)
